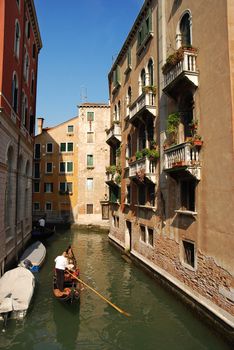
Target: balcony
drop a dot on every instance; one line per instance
(146, 102)
(180, 68)
(113, 135)
(143, 169)
(113, 179)
(183, 159)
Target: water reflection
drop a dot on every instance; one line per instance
(67, 320)
(158, 320)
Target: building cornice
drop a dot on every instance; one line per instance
(34, 22)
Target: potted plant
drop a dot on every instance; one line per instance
(173, 121)
(197, 140)
(139, 155)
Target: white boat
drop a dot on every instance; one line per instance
(33, 257)
(16, 291)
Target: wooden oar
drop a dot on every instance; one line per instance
(101, 296)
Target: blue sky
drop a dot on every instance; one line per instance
(80, 42)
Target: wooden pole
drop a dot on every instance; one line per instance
(101, 296)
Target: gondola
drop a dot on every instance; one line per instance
(71, 291)
(39, 233)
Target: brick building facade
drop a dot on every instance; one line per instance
(20, 43)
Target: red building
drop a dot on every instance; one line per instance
(20, 43)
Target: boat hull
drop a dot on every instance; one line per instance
(34, 254)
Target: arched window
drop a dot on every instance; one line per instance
(143, 78)
(151, 72)
(17, 39)
(129, 147)
(185, 30)
(15, 88)
(26, 66)
(118, 111)
(129, 96)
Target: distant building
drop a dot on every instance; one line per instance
(93, 158)
(20, 43)
(55, 185)
(171, 148)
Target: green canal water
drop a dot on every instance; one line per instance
(157, 321)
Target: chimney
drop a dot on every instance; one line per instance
(40, 122)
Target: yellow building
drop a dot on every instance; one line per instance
(55, 185)
(171, 149)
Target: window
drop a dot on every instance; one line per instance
(187, 195)
(185, 30)
(66, 167)
(189, 253)
(28, 29)
(24, 111)
(26, 66)
(129, 58)
(15, 88)
(65, 187)
(70, 129)
(70, 147)
(17, 39)
(36, 187)
(145, 29)
(151, 236)
(37, 170)
(142, 233)
(116, 76)
(36, 206)
(69, 167)
(142, 138)
(89, 184)
(37, 151)
(141, 195)
(48, 206)
(89, 160)
(89, 209)
(90, 116)
(143, 79)
(49, 147)
(66, 147)
(90, 137)
(48, 187)
(151, 72)
(114, 194)
(63, 147)
(49, 168)
(32, 124)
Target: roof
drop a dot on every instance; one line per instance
(94, 104)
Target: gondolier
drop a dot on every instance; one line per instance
(61, 263)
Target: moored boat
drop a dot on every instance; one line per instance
(33, 257)
(42, 233)
(16, 291)
(71, 286)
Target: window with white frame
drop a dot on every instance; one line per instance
(15, 92)
(90, 116)
(66, 167)
(48, 187)
(89, 184)
(48, 206)
(65, 187)
(70, 129)
(49, 168)
(17, 39)
(90, 162)
(27, 29)
(49, 147)
(66, 147)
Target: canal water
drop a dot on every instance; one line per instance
(157, 321)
